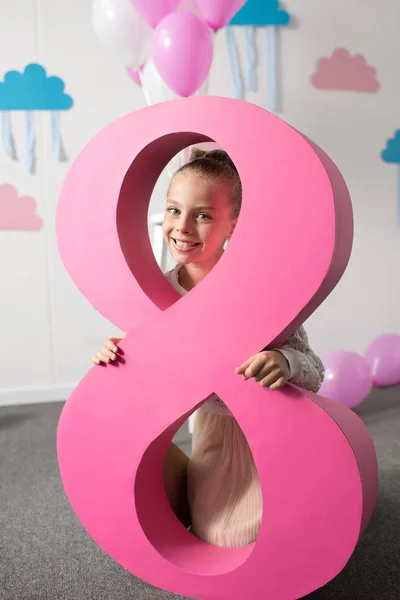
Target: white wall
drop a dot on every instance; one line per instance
(48, 330)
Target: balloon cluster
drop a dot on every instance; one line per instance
(179, 41)
(349, 377)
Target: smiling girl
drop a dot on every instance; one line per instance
(217, 490)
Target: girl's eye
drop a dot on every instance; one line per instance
(175, 211)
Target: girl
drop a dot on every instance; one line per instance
(217, 490)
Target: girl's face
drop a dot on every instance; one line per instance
(198, 219)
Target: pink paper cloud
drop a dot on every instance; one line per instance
(17, 214)
(344, 72)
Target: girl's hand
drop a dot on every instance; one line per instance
(269, 367)
(108, 352)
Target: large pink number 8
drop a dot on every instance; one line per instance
(315, 459)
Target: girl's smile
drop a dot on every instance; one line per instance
(184, 245)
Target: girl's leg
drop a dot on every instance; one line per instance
(224, 489)
(175, 482)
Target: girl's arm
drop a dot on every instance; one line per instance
(306, 368)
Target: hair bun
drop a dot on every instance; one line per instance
(219, 156)
(196, 153)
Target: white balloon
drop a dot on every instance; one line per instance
(123, 31)
(153, 85)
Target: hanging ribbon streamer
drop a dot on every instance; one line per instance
(398, 196)
(184, 155)
(234, 63)
(151, 93)
(55, 135)
(271, 65)
(8, 142)
(203, 90)
(144, 88)
(30, 142)
(155, 91)
(250, 38)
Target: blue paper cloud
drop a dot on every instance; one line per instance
(33, 90)
(391, 153)
(261, 12)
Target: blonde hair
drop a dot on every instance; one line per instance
(216, 165)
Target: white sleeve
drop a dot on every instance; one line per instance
(306, 368)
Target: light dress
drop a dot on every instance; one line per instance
(224, 490)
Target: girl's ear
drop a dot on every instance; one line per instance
(232, 229)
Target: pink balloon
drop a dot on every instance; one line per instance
(134, 75)
(191, 6)
(155, 10)
(348, 378)
(383, 357)
(183, 52)
(218, 13)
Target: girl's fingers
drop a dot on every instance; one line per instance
(103, 356)
(111, 345)
(99, 358)
(240, 370)
(263, 372)
(278, 384)
(108, 353)
(274, 380)
(254, 369)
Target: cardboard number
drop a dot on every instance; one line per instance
(315, 459)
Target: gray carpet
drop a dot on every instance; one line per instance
(45, 554)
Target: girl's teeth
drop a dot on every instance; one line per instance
(183, 245)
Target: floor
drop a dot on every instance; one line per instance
(45, 554)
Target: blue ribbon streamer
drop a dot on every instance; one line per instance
(55, 135)
(271, 66)
(30, 142)
(234, 63)
(6, 135)
(250, 39)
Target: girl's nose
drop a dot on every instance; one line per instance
(184, 226)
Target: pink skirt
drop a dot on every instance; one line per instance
(224, 490)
